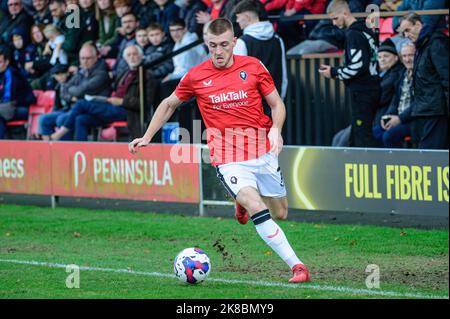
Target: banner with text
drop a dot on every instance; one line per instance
(358, 180)
(25, 167)
(106, 170)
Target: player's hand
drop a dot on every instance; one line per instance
(276, 141)
(136, 144)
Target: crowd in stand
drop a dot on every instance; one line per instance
(89, 52)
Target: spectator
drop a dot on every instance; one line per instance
(433, 21)
(24, 51)
(18, 18)
(395, 126)
(390, 5)
(61, 107)
(165, 12)
(64, 21)
(143, 9)
(54, 45)
(188, 13)
(358, 73)
(107, 22)
(326, 37)
(141, 38)
(429, 106)
(124, 105)
(111, 49)
(88, 23)
(295, 31)
(42, 14)
(38, 67)
(184, 61)
(129, 25)
(391, 70)
(160, 46)
(260, 41)
(16, 94)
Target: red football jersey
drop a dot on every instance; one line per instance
(230, 102)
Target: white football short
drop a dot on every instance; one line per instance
(263, 173)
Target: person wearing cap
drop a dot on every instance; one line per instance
(392, 129)
(48, 122)
(391, 70)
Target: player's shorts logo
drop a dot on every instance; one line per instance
(243, 75)
(233, 180)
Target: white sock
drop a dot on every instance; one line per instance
(274, 236)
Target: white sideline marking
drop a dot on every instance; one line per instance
(245, 282)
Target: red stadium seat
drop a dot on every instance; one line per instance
(110, 133)
(110, 63)
(37, 94)
(386, 30)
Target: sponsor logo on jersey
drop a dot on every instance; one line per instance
(228, 97)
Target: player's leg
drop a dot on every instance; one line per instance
(278, 207)
(271, 232)
(271, 186)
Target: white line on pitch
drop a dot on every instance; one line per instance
(245, 282)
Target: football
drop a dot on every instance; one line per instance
(192, 265)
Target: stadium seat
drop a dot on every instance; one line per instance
(386, 30)
(24, 123)
(110, 63)
(110, 133)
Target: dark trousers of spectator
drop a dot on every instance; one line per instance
(292, 32)
(393, 137)
(21, 113)
(84, 115)
(48, 122)
(430, 132)
(364, 106)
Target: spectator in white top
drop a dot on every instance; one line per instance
(54, 45)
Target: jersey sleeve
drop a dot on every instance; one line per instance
(184, 90)
(265, 80)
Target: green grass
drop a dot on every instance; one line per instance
(410, 261)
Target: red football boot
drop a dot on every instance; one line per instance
(301, 274)
(241, 214)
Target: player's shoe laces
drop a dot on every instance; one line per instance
(241, 214)
(301, 274)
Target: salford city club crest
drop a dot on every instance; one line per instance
(243, 75)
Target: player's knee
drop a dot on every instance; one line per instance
(281, 213)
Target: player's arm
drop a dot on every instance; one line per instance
(278, 117)
(163, 113)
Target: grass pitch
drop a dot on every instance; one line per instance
(130, 255)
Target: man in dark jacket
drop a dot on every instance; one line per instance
(429, 106)
(16, 94)
(394, 126)
(359, 73)
(123, 106)
(42, 14)
(17, 18)
(391, 69)
(160, 46)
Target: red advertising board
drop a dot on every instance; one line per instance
(25, 167)
(104, 170)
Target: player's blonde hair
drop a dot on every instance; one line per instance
(219, 26)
